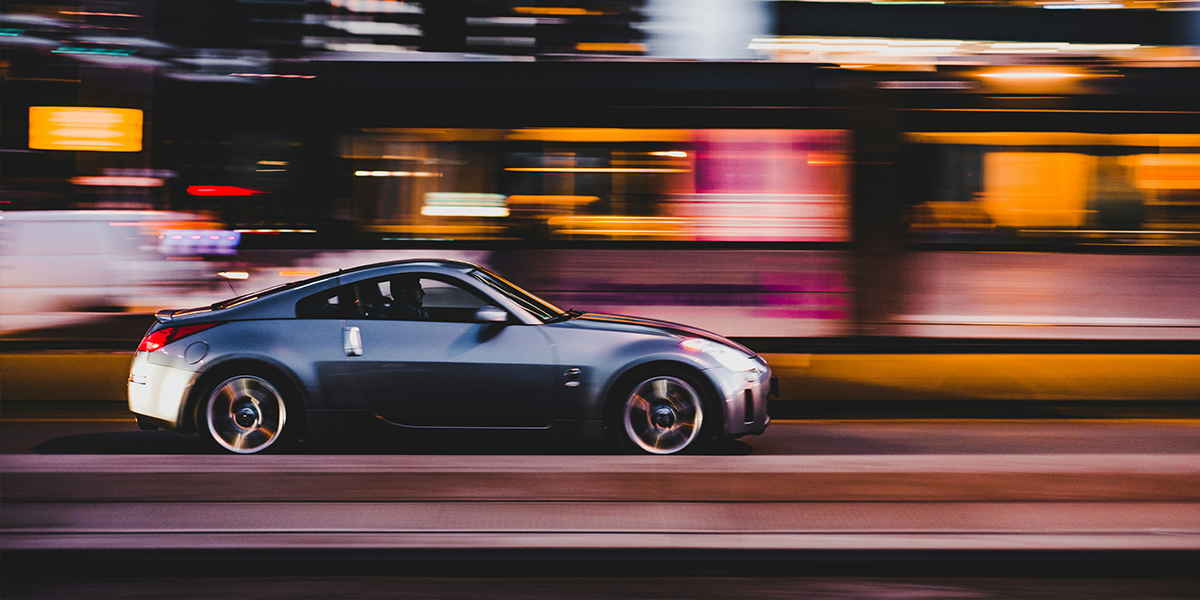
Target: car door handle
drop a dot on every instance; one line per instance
(352, 341)
(572, 377)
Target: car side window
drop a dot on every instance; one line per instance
(371, 300)
(417, 298)
(444, 298)
(330, 304)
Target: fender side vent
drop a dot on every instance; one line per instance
(748, 407)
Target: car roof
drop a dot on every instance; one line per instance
(436, 263)
(445, 263)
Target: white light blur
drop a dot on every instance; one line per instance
(234, 274)
(464, 211)
(1098, 47)
(389, 48)
(374, 28)
(511, 21)
(518, 42)
(464, 204)
(378, 6)
(671, 153)
(1024, 47)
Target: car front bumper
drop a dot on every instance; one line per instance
(158, 391)
(744, 395)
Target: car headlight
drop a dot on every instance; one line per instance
(731, 358)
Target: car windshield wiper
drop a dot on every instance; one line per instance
(567, 316)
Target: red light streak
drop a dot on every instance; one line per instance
(220, 190)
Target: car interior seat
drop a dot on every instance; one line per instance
(371, 302)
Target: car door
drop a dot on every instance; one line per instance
(319, 334)
(446, 369)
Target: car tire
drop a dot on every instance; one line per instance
(242, 414)
(661, 413)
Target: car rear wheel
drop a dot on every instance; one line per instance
(663, 414)
(243, 414)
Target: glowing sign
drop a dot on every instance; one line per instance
(176, 242)
(84, 128)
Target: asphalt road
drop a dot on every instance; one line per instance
(672, 586)
(826, 437)
(1037, 509)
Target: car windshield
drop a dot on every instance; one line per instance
(541, 309)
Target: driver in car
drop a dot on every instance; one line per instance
(407, 298)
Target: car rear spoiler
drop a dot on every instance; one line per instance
(164, 315)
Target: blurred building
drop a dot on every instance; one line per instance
(797, 168)
(948, 121)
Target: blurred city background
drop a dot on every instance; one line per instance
(910, 208)
(763, 169)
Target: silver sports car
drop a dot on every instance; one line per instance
(437, 344)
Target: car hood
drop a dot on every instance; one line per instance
(651, 326)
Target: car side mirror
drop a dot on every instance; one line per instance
(491, 314)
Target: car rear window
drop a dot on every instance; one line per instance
(329, 304)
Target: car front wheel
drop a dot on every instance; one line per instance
(243, 414)
(663, 414)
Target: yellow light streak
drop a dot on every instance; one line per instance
(567, 134)
(1031, 75)
(1040, 138)
(552, 199)
(97, 14)
(610, 47)
(555, 10)
(659, 227)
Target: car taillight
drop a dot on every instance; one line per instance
(157, 339)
